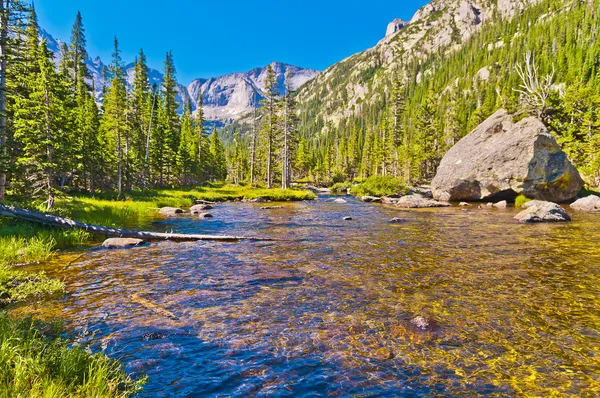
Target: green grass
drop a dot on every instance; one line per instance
(36, 362)
(521, 200)
(18, 286)
(379, 186)
(22, 242)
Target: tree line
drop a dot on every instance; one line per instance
(55, 137)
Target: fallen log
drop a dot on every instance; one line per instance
(65, 223)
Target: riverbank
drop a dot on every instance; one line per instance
(22, 242)
(74, 371)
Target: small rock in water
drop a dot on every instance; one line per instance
(424, 324)
(490, 205)
(197, 209)
(205, 215)
(347, 218)
(170, 211)
(419, 202)
(340, 201)
(464, 204)
(590, 203)
(271, 207)
(396, 220)
(543, 212)
(501, 205)
(122, 243)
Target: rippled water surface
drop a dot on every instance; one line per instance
(514, 309)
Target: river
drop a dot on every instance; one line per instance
(513, 309)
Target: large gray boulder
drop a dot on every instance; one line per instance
(500, 160)
(589, 203)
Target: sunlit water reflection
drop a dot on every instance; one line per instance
(326, 311)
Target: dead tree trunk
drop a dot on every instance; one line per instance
(64, 223)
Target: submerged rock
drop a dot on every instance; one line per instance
(501, 159)
(501, 205)
(543, 212)
(122, 243)
(271, 207)
(170, 211)
(205, 215)
(369, 199)
(340, 201)
(197, 209)
(347, 218)
(464, 204)
(424, 324)
(419, 202)
(396, 220)
(589, 203)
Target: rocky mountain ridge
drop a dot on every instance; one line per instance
(226, 98)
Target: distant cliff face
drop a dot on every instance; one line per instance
(225, 98)
(231, 96)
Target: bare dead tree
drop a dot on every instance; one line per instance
(535, 90)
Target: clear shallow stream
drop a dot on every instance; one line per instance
(514, 309)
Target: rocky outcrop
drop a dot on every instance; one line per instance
(419, 202)
(500, 160)
(543, 212)
(122, 243)
(395, 26)
(590, 203)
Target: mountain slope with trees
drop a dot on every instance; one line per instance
(395, 112)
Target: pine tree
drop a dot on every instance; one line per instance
(289, 132)
(139, 116)
(12, 18)
(114, 122)
(78, 52)
(170, 117)
(219, 163)
(187, 150)
(270, 125)
(39, 118)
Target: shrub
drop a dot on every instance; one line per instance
(341, 187)
(380, 186)
(521, 200)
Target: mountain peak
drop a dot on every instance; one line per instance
(395, 26)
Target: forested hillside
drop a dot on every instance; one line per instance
(397, 108)
(405, 123)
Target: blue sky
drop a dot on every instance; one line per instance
(211, 38)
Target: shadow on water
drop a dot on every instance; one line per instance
(329, 310)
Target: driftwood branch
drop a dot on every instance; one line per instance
(65, 223)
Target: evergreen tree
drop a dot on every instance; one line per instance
(217, 152)
(289, 132)
(270, 122)
(114, 122)
(39, 118)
